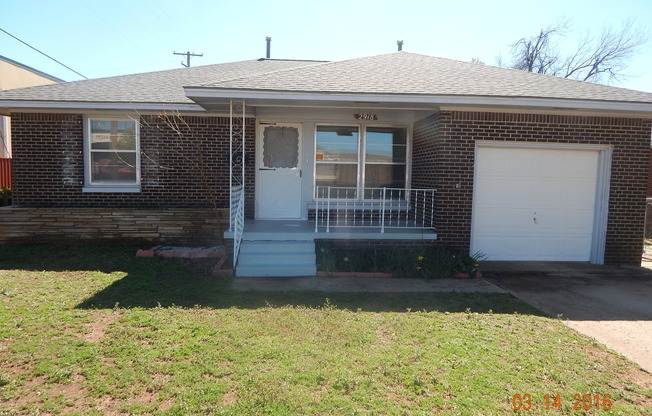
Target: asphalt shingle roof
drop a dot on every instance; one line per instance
(400, 73)
(149, 87)
(409, 73)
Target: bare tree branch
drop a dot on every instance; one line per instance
(602, 58)
(538, 53)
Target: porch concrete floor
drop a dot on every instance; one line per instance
(297, 230)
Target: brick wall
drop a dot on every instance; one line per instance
(649, 177)
(48, 166)
(444, 146)
(167, 225)
(185, 167)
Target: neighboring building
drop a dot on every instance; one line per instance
(15, 75)
(525, 166)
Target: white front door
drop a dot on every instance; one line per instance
(535, 203)
(278, 179)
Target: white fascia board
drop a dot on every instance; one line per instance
(433, 100)
(90, 105)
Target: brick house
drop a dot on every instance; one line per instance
(395, 147)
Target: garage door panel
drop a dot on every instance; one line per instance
(495, 190)
(549, 163)
(493, 163)
(548, 222)
(491, 220)
(579, 220)
(563, 221)
(517, 166)
(577, 249)
(520, 191)
(581, 193)
(585, 165)
(514, 245)
(538, 205)
(548, 192)
(548, 248)
(492, 192)
(564, 249)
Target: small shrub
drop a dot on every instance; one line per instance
(420, 261)
(326, 259)
(5, 197)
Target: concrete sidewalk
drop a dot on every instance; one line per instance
(611, 304)
(364, 284)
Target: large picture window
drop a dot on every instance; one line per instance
(112, 152)
(360, 158)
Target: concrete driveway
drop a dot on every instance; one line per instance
(609, 303)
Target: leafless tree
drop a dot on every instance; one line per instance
(602, 58)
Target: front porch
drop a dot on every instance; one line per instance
(310, 180)
(304, 230)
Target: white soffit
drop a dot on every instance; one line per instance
(209, 96)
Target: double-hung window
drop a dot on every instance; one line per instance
(357, 161)
(112, 161)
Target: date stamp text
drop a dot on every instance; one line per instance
(549, 401)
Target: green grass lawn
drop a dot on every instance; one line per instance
(94, 330)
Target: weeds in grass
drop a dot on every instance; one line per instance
(126, 335)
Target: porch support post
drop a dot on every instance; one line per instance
(382, 213)
(328, 209)
(236, 150)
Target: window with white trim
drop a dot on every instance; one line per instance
(360, 158)
(112, 159)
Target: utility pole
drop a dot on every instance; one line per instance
(188, 55)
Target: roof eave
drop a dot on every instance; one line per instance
(91, 105)
(30, 69)
(202, 95)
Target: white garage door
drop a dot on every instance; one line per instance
(534, 203)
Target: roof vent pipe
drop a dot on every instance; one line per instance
(400, 45)
(269, 44)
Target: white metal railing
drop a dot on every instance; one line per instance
(237, 219)
(374, 208)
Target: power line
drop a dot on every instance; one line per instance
(43, 53)
(115, 29)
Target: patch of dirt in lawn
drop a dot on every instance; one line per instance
(37, 390)
(384, 336)
(106, 404)
(111, 406)
(165, 405)
(145, 397)
(97, 327)
(32, 392)
(628, 373)
(229, 398)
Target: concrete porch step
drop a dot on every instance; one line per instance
(276, 258)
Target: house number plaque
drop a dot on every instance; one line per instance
(366, 116)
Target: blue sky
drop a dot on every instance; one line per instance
(101, 38)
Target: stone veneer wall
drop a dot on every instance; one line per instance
(95, 225)
(444, 156)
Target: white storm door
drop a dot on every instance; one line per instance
(534, 203)
(278, 161)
